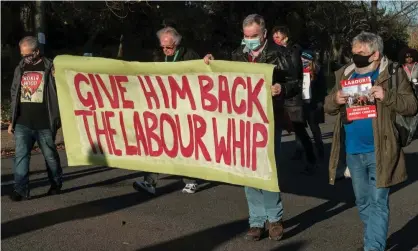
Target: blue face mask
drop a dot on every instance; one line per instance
(251, 44)
(305, 64)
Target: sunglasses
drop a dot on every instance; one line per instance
(408, 56)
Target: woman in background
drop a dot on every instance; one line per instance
(313, 95)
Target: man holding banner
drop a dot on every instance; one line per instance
(171, 52)
(265, 207)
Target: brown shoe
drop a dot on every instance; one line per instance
(254, 234)
(275, 230)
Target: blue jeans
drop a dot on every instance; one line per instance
(372, 202)
(25, 139)
(264, 205)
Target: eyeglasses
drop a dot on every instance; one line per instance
(167, 47)
(408, 56)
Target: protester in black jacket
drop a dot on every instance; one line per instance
(294, 106)
(34, 117)
(171, 51)
(266, 207)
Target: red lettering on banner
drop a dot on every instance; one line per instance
(222, 148)
(89, 100)
(163, 132)
(253, 99)
(127, 104)
(111, 132)
(86, 126)
(100, 132)
(151, 94)
(262, 129)
(95, 80)
(130, 150)
(181, 92)
(96, 91)
(238, 143)
(151, 124)
(112, 97)
(140, 135)
(248, 143)
(205, 95)
(186, 151)
(170, 121)
(223, 94)
(199, 126)
(164, 91)
(211, 103)
(239, 109)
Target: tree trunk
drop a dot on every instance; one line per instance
(40, 24)
(321, 57)
(26, 18)
(339, 54)
(328, 64)
(88, 46)
(334, 49)
(374, 16)
(120, 50)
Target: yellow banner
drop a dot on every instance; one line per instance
(213, 122)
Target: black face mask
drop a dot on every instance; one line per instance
(361, 61)
(32, 58)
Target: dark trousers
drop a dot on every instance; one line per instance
(311, 118)
(303, 136)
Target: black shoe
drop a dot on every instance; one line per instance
(15, 196)
(54, 190)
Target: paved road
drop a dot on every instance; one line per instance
(100, 211)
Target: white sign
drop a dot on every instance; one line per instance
(306, 87)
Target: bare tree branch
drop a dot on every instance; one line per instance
(114, 13)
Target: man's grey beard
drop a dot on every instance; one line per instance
(368, 68)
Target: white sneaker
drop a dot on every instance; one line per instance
(347, 173)
(190, 188)
(138, 185)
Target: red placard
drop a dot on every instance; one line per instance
(361, 104)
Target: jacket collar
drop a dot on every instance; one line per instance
(269, 47)
(384, 62)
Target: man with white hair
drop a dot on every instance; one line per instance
(374, 156)
(34, 117)
(171, 51)
(265, 207)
